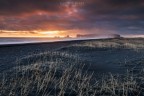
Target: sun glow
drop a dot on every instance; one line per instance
(53, 33)
(50, 33)
(35, 33)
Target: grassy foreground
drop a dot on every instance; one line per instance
(63, 73)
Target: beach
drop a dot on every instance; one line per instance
(100, 60)
(11, 52)
(110, 63)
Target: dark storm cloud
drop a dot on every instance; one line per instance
(13, 7)
(123, 16)
(115, 7)
(119, 15)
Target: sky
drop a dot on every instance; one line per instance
(50, 18)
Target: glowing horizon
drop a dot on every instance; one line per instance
(36, 33)
(51, 34)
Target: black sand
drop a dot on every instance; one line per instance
(101, 61)
(10, 53)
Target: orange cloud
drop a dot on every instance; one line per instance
(37, 33)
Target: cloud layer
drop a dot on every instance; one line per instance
(101, 16)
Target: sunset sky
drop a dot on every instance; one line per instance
(50, 18)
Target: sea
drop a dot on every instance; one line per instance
(19, 40)
(7, 41)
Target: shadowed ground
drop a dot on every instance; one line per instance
(111, 67)
(106, 59)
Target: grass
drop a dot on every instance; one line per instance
(135, 44)
(46, 78)
(63, 74)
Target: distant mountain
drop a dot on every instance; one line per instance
(98, 35)
(86, 35)
(114, 36)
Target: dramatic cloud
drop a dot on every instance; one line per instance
(77, 16)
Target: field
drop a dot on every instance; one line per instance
(102, 67)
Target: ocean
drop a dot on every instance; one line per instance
(18, 40)
(6, 41)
